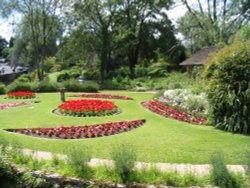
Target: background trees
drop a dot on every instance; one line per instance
(208, 22)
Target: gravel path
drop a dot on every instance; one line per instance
(199, 170)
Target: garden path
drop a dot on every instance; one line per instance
(200, 170)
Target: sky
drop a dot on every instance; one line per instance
(7, 28)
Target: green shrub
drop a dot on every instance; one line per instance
(220, 174)
(75, 86)
(228, 91)
(46, 87)
(124, 158)
(2, 88)
(21, 86)
(24, 78)
(243, 34)
(78, 160)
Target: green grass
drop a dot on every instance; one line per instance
(159, 140)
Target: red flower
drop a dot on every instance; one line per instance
(103, 96)
(21, 95)
(87, 107)
(166, 111)
(91, 131)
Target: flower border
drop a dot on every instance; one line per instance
(165, 111)
(103, 96)
(80, 132)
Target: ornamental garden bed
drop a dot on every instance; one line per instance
(87, 108)
(21, 95)
(13, 104)
(103, 96)
(166, 111)
(77, 132)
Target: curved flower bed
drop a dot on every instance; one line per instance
(82, 108)
(103, 96)
(13, 104)
(21, 95)
(76, 132)
(166, 111)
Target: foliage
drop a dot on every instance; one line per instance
(75, 86)
(46, 87)
(50, 65)
(73, 73)
(78, 161)
(24, 78)
(207, 24)
(243, 34)
(228, 77)
(220, 174)
(2, 88)
(124, 158)
(20, 86)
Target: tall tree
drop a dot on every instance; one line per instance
(133, 15)
(40, 20)
(208, 22)
(96, 21)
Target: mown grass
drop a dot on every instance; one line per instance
(159, 140)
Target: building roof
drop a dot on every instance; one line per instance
(200, 57)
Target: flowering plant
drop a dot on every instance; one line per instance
(167, 111)
(87, 108)
(21, 95)
(76, 132)
(103, 96)
(12, 104)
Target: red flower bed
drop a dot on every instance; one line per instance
(21, 95)
(88, 131)
(166, 111)
(87, 108)
(103, 96)
(12, 104)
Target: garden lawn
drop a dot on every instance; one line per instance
(158, 140)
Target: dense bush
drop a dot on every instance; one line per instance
(24, 78)
(243, 34)
(2, 88)
(228, 77)
(75, 86)
(73, 73)
(46, 87)
(21, 86)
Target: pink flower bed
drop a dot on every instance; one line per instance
(13, 104)
(103, 96)
(166, 111)
(77, 132)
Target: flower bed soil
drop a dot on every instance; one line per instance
(169, 112)
(103, 96)
(77, 132)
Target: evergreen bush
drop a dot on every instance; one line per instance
(228, 91)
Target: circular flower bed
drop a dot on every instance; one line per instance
(167, 111)
(76, 132)
(21, 95)
(103, 96)
(82, 108)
